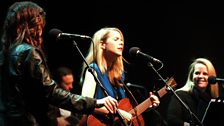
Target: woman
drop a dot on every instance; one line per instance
(28, 86)
(105, 62)
(196, 94)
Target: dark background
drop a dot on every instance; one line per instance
(174, 32)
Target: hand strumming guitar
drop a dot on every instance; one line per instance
(109, 102)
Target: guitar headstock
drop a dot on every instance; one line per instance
(171, 82)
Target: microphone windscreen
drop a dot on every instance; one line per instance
(53, 33)
(211, 79)
(133, 51)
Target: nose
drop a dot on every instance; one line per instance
(121, 44)
(201, 75)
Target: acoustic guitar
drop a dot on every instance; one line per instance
(125, 104)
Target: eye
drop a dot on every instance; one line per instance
(116, 39)
(197, 73)
(204, 73)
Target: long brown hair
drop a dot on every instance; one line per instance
(24, 23)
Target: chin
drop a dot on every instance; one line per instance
(202, 86)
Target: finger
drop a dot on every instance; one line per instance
(113, 104)
(155, 104)
(110, 105)
(107, 105)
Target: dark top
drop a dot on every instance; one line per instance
(196, 101)
(29, 88)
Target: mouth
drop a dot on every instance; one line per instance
(121, 49)
(200, 81)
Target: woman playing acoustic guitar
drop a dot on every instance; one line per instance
(105, 58)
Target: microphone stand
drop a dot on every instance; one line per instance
(169, 88)
(98, 82)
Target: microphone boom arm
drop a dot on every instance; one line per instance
(169, 88)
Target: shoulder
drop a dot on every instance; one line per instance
(26, 51)
(184, 94)
(181, 92)
(21, 48)
(93, 65)
(25, 48)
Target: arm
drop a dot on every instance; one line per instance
(89, 85)
(88, 89)
(39, 73)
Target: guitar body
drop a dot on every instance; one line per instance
(124, 104)
(99, 120)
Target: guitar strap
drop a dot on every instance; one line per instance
(135, 102)
(131, 95)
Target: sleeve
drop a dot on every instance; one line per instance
(40, 74)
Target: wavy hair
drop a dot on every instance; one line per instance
(24, 22)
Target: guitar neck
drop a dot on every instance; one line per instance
(138, 110)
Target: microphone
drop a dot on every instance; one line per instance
(213, 80)
(134, 85)
(58, 34)
(135, 51)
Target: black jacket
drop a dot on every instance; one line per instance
(197, 102)
(29, 88)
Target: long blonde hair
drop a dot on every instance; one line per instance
(214, 89)
(95, 54)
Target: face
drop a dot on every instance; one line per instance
(67, 82)
(114, 44)
(200, 76)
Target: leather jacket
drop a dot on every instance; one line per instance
(29, 88)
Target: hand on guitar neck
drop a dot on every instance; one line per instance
(131, 116)
(154, 99)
